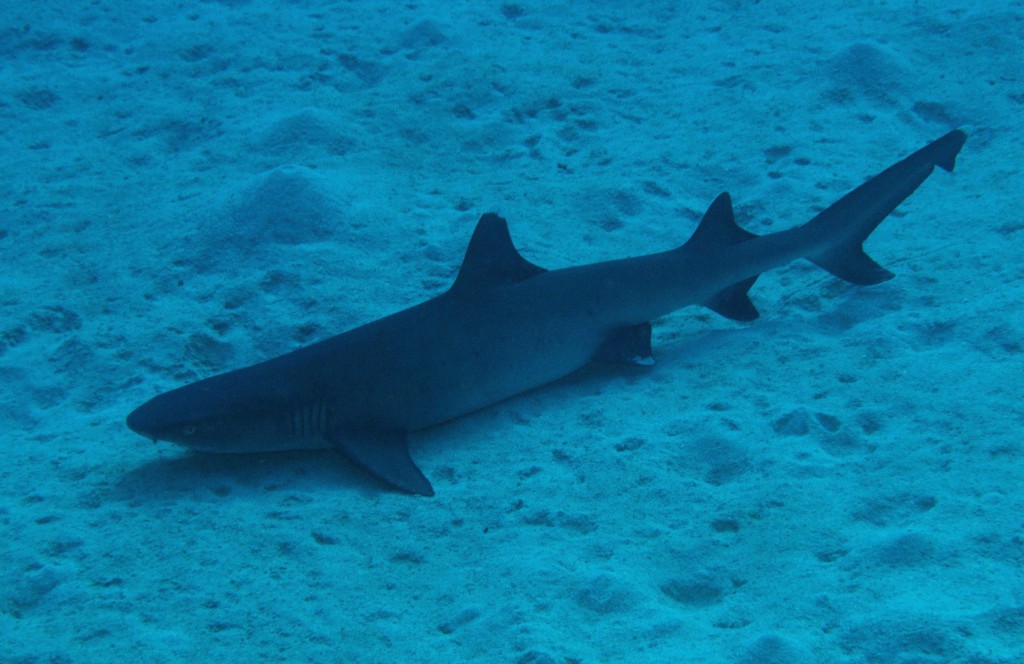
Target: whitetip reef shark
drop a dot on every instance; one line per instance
(506, 326)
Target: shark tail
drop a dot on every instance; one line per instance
(834, 239)
(838, 233)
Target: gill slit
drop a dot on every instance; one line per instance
(310, 421)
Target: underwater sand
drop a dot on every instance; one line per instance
(192, 187)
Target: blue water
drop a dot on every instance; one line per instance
(193, 187)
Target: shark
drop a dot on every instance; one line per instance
(506, 326)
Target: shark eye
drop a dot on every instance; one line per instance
(190, 429)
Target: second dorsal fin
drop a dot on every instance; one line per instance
(718, 228)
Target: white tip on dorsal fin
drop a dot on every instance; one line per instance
(491, 258)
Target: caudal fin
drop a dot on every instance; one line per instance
(838, 233)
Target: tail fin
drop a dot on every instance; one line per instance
(842, 229)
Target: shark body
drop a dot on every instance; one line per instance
(506, 326)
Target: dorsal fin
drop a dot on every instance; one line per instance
(491, 258)
(718, 227)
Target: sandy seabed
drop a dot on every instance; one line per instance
(194, 187)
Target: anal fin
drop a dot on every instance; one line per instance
(733, 303)
(385, 454)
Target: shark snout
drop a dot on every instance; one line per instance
(137, 423)
(200, 418)
(146, 422)
(169, 417)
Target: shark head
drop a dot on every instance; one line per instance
(226, 413)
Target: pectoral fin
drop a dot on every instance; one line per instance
(386, 455)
